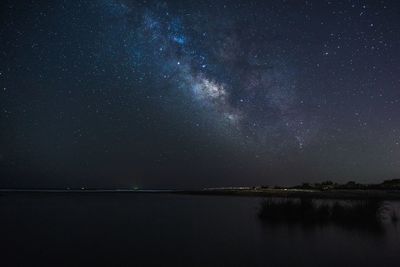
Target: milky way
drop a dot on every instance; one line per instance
(234, 77)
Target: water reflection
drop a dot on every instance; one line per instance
(177, 230)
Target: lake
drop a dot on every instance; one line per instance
(111, 229)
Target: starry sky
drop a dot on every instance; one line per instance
(189, 94)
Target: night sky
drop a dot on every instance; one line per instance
(188, 94)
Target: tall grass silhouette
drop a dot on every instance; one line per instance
(355, 213)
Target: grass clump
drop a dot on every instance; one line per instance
(306, 210)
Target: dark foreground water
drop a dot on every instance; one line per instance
(175, 230)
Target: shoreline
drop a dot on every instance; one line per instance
(350, 194)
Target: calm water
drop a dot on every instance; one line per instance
(173, 230)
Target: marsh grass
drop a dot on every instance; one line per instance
(355, 213)
(393, 216)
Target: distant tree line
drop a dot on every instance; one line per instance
(393, 184)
